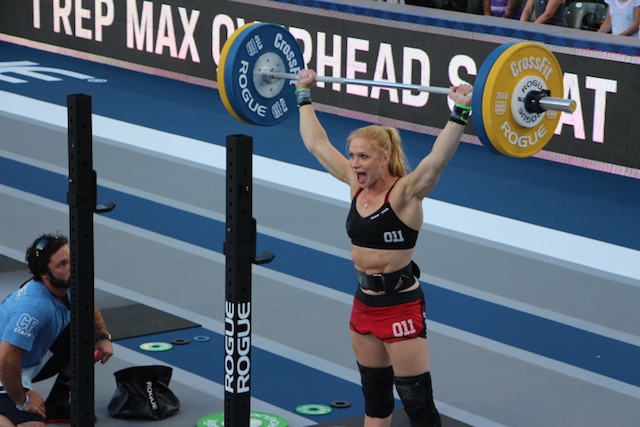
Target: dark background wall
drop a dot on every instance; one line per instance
(183, 39)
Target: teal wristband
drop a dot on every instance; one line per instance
(460, 114)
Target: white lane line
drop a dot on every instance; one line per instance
(322, 290)
(279, 349)
(206, 386)
(571, 248)
(306, 358)
(537, 360)
(554, 316)
(351, 374)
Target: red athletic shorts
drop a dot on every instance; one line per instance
(391, 317)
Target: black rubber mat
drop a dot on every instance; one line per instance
(137, 320)
(399, 420)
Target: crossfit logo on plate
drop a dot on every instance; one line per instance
(528, 83)
(237, 364)
(33, 70)
(541, 65)
(514, 82)
(281, 44)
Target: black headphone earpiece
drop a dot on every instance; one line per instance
(42, 244)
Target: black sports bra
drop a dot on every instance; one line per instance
(380, 230)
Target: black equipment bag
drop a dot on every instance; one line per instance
(143, 392)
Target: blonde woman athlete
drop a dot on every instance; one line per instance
(388, 328)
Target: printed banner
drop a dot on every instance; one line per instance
(185, 38)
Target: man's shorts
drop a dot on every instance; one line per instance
(390, 317)
(9, 410)
(58, 357)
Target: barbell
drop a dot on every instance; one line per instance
(514, 113)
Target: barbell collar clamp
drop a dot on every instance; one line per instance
(532, 101)
(557, 104)
(539, 101)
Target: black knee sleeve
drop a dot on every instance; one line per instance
(416, 394)
(377, 388)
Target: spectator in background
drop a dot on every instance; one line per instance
(455, 5)
(468, 6)
(546, 11)
(623, 18)
(425, 3)
(503, 8)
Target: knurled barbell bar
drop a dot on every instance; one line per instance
(538, 101)
(514, 113)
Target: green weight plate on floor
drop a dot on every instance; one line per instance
(313, 409)
(156, 346)
(256, 419)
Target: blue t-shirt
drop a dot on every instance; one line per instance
(32, 318)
